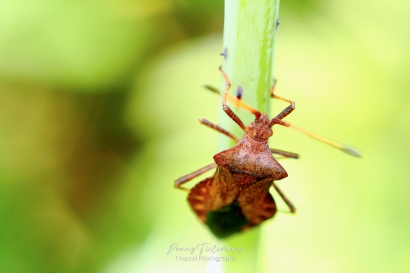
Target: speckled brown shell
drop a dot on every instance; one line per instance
(222, 189)
(251, 157)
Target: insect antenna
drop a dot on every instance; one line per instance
(343, 147)
(277, 120)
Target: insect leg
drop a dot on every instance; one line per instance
(218, 128)
(287, 201)
(274, 96)
(288, 109)
(284, 113)
(192, 175)
(225, 107)
(284, 153)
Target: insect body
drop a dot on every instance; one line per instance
(237, 196)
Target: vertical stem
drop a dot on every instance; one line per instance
(249, 40)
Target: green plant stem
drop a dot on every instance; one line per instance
(249, 39)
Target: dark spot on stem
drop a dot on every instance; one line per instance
(239, 92)
(224, 53)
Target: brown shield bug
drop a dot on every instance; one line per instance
(237, 196)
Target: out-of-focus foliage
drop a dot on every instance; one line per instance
(70, 187)
(98, 109)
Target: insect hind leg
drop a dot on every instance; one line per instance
(285, 199)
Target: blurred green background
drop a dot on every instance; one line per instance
(99, 103)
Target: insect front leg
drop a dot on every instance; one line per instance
(287, 110)
(284, 113)
(192, 175)
(274, 96)
(225, 107)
